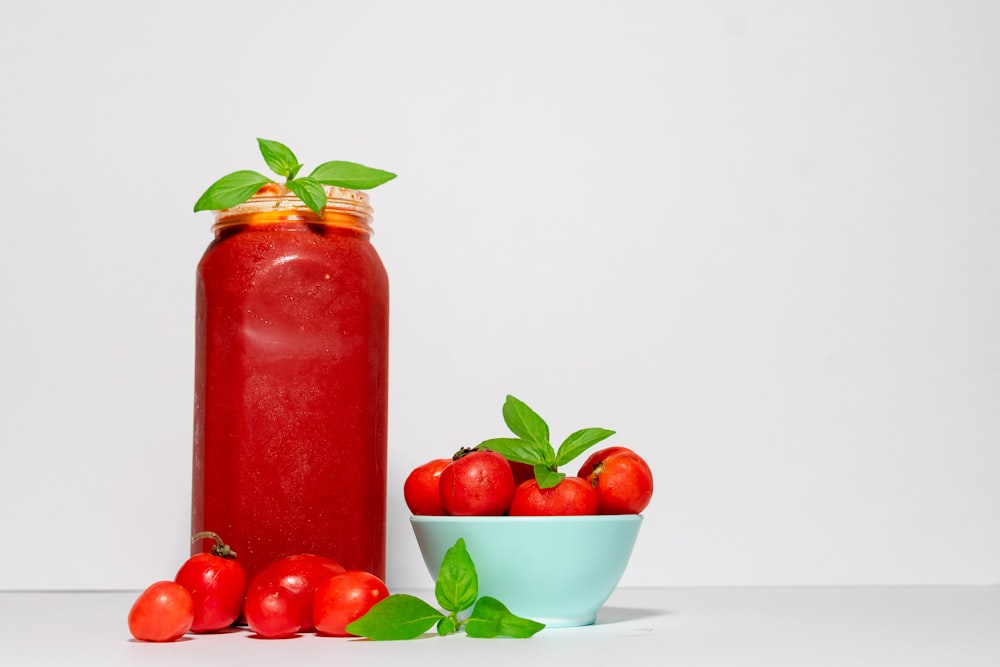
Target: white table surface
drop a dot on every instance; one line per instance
(804, 627)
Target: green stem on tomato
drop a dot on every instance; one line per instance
(220, 549)
(465, 450)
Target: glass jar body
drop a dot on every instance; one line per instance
(291, 390)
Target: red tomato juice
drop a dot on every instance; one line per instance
(291, 385)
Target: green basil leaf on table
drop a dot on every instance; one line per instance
(490, 618)
(396, 617)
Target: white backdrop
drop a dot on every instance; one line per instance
(758, 239)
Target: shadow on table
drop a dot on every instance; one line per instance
(608, 615)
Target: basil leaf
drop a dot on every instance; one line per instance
(547, 478)
(279, 158)
(522, 451)
(457, 585)
(580, 441)
(309, 191)
(491, 618)
(398, 616)
(525, 422)
(230, 190)
(240, 186)
(446, 626)
(350, 175)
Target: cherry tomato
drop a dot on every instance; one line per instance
(522, 472)
(571, 496)
(217, 584)
(420, 490)
(162, 613)
(480, 483)
(271, 611)
(344, 598)
(623, 480)
(299, 575)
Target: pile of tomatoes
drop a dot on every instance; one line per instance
(312, 593)
(297, 593)
(614, 480)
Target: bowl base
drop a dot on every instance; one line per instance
(566, 622)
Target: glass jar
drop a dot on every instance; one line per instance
(291, 382)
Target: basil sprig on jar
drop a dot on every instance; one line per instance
(239, 186)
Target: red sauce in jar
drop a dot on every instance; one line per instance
(291, 383)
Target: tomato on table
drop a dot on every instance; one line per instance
(162, 613)
(345, 598)
(298, 576)
(271, 611)
(217, 584)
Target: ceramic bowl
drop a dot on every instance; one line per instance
(558, 570)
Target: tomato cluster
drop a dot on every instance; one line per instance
(297, 593)
(614, 480)
(309, 593)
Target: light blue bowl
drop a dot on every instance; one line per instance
(556, 570)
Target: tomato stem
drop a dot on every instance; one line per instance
(595, 473)
(220, 549)
(465, 451)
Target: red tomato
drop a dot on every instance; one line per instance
(571, 496)
(522, 472)
(271, 611)
(345, 598)
(420, 490)
(217, 584)
(299, 575)
(623, 480)
(162, 613)
(478, 484)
